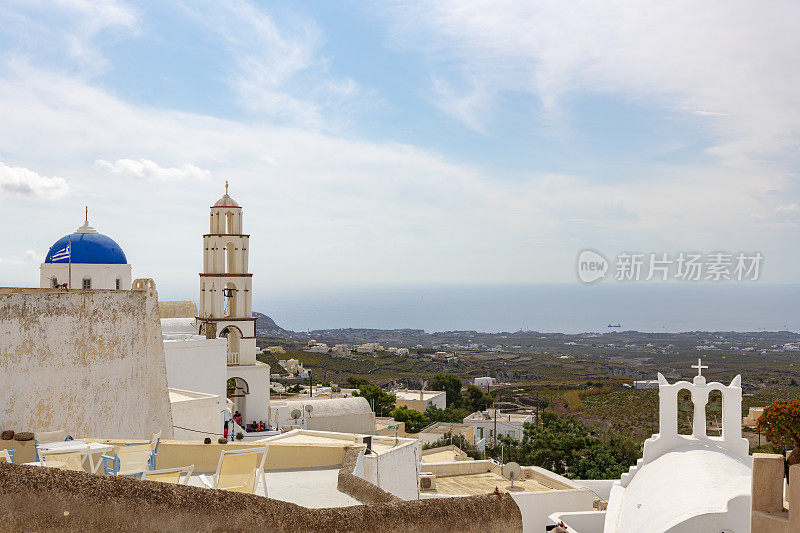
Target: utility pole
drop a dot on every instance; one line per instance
(494, 406)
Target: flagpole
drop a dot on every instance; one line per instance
(69, 256)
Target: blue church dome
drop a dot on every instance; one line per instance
(87, 248)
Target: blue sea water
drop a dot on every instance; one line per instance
(567, 308)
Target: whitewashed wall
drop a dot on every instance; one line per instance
(537, 506)
(396, 470)
(197, 364)
(257, 402)
(195, 415)
(90, 362)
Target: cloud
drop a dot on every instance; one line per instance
(389, 202)
(65, 31)
(29, 257)
(277, 70)
(711, 58)
(144, 169)
(21, 181)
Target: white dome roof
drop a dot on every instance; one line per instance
(680, 487)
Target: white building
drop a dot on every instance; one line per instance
(226, 311)
(646, 384)
(420, 400)
(460, 433)
(196, 375)
(294, 367)
(348, 415)
(369, 348)
(683, 482)
(320, 347)
(340, 350)
(491, 423)
(485, 382)
(85, 259)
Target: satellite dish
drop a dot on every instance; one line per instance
(309, 408)
(296, 413)
(512, 471)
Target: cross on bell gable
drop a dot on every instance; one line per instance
(699, 366)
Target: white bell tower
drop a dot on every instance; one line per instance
(226, 304)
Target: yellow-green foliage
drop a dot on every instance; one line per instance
(573, 399)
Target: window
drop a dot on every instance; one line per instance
(87, 283)
(54, 282)
(119, 283)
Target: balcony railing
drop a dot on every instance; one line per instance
(233, 358)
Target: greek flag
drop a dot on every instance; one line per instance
(61, 255)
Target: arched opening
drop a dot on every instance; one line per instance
(234, 337)
(714, 414)
(230, 258)
(54, 282)
(237, 394)
(229, 220)
(231, 299)
(685, 412)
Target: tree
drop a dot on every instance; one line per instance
(781, 426)
(414, 420)
(354, 383)
(475, 399)
(381, 401)
(451, 384)
(449, 414)
(568, 447)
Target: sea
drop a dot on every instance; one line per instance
(551, 307)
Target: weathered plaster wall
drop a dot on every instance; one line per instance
(90, 362)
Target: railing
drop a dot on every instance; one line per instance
(233, 358)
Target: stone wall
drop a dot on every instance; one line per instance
(90, 362)
(37, 499)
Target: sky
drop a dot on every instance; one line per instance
(380, 143)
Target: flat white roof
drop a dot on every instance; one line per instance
(414, 395)
(307, 487)
(178, 395)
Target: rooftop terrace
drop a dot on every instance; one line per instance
(466, 478)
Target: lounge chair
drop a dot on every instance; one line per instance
(132, 459)
(47, 437)
(152, 444)
(239, 471)
(72, 459)
(7, 455)
(127, 461)
(170, 475)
